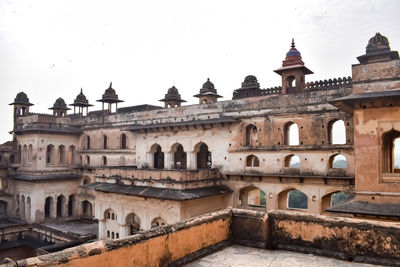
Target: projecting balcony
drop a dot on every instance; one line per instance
(152, 177)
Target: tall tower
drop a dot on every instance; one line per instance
(293, 72)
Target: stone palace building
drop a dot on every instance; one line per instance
(322, 147)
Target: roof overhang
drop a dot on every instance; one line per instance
(367, 100)
(365, 208)
(298, 66)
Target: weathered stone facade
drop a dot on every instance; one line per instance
(134, 168)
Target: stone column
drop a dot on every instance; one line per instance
(168, 160)
(150, 159)
(102, 233)
(123, 231)
(191, 159)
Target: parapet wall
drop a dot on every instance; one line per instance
(174, 245)
(158, 247)
(343, 238)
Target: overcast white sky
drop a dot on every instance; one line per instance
(51, 49)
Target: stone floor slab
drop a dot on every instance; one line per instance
(238, 256)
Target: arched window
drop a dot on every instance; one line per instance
(292, 161)
(87, 160)
(391, 152)
(71, 155)
(338, 161)
(28, 208)
(252, 196)
(19, 154)
(88, 142)
(290, 84)
(48, 207)
(297, 200)
(3, 208)
(291, 134)
(336, 132)
(158, 156)
(179, 157)
(203, 157)
(252, 161)
(158, 222)
(104, 161)
(109, 215)
(71, 205)
(251, 135)
(105, 142)
(61, 201)
(30, 154)
(123, 141)
(87, 209)
(49, 154)
(62, 158)
(108, 234)
(132, 223)
(24, 154)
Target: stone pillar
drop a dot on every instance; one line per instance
(314, 204)
(168, 160)
(123, 231)
(191, 159)
(102, 234)
(150, 159)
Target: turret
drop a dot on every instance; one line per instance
(172, 98)
(293, 72)
(59, 108)
(21, 105)
(208, 93)
(81, 102)
(110, 97)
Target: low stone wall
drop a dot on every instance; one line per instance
(343, 238)
(250, 228)
(177, 244)
(173, 244)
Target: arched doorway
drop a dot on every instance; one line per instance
(158, 222)
(3, 208)
(204, 157)
(132, 223)
(61, 206)
(48, 207)
(87, 209)
(158, 157)
(71, 205)
(252, 197)
(179, 157)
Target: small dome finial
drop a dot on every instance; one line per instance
(293, 45)
(110, 85)
(81, 91)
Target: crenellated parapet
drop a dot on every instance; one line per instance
(329, 84)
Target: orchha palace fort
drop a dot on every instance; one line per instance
(309, 166)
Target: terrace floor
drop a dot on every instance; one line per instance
(246, 256)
